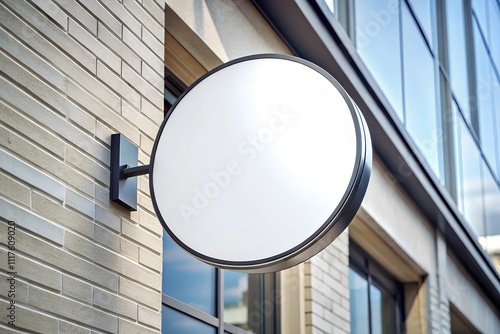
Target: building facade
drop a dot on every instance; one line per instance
(420, 255)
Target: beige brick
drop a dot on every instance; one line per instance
(118, 46)
(37, 64)
(153, 78)
(145, 202)
(53, 33)
(155, 10)
(21, 291)
(73, 310)
(142, 236)
(102, 112)
(129, 249)
(107, 238)
(127, 327)
(149, 317)
(150, 222)
(77, 289)
(53, 11)
(140, 294)
(49, 119)
(94, 45)
(152, 112)
(114, 303)
(118, 85)
(151, 260)
(68, 328)
(36, 272)
(107, 217)
(53, 211)
(145, 18)
(144, 87)
(111, 260)
(143, 123)
(76, 11)
(31, 320)
(45, 160)
(87, 165)
(14, 190)
(65, 261)
(153, 43)
(104, 16)
(31, 130)
(123, 15)
(142, 51)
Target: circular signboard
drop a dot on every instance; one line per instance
(260, 164)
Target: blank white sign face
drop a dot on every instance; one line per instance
(258, 161)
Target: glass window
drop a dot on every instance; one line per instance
(378, 44)
(179, 323)
(485, 99)
(243, 297)
(496, 94)
(480, 8)
(187, 279)
(494, 11)
(383, 307)
(469, 178)
(420, 93)
(491, 193)
(374, 296)
(457, 54)
(358, 294)
(423, 9)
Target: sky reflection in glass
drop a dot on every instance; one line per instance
(378, 44)
(188, 279)
(420, 93)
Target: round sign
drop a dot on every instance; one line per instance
(260, 164)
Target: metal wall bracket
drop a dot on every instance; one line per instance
(123, 184)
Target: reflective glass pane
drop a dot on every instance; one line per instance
(243, 300)
(423, 11)
(378, 44)
(175, 322)
(358, 290)
(383, 308)
(188, 279)
(485, 99)
(457, 163)
(470, 180)
(496, 94)
(491, 193)
(457, 54)
(494, 11)
(420, 93)
(480, 8)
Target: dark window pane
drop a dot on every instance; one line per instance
(188, 279)
(383, 308)
(175, 322)
(378, 44)
(358, 294)
(457, 54)
(243, 300)
(420, 93)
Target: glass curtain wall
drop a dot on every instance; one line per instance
(437, 64)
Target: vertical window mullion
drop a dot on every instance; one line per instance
(220, 299)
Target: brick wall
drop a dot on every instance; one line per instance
(327, 289)
(74, 72)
